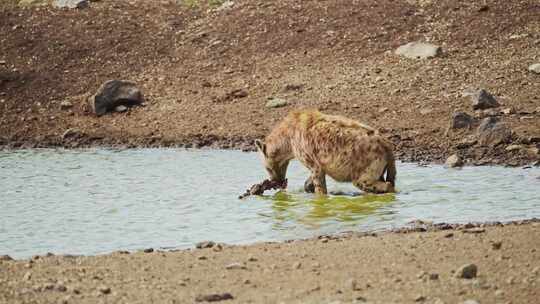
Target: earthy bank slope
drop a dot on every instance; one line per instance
(336, 56)
(387, 268)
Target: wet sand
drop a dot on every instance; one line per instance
(393, 267)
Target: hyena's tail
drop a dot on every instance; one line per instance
(391, 171)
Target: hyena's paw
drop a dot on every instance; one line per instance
(309, 186)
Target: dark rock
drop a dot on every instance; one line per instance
(115, 93)
(216, 297)
(467, 271)
(205, 244)
(5, 257)
(496, 245)
(483, 100)
(148, 250)
(104, 290)
(491, 132)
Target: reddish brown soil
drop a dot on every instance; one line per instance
(336, 56)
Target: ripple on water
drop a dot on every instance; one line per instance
(101, 200)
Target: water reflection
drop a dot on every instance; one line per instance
(314, 211)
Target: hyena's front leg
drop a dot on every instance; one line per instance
(319, 182)
(309, 186)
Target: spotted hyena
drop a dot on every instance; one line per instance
(341, 148)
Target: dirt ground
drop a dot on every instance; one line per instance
(336, 56)
(406, 267)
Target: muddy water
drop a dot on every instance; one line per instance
(98, 201)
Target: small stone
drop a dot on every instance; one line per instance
(467, 271)
(470, 302)
(235, 266)
(148, 250)
(80, 4)
(513, 148)
(104, 290)
(508, 111)
(214, 297)
(418, 50)
(420, 298)
(205, 244)
(120, 109)
(297, 265)
(433, 276)
(499, 293)
(383, 110)
(453, 161)
(461, 120)
(276, 103)
(27, 276)
(535, 68)
(64, 105)
(353, 284)
(510, 280)
(482, 100)
(5, 257)
(252, 259)
(61, 288)
(474, 230)
(239, 93)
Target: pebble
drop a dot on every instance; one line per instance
(297, 265)
(353, 284)
(433, 276)
(148, 250)
(453, 161)
(471, 302)
(104, 290)
(235, 266)
(276, 103)
(467, 271)
(496, 245)
(120, 109)
(420, 298)
(214, 297)
(499, 293)
(5, 257)
(205, 244)
(27, 276)
(474, 230)
(252, 259)
(535, 68)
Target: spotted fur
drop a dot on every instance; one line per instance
(342, 148)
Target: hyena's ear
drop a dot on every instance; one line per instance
(261, 146)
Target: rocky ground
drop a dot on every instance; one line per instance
(208, 70)
(446, 264)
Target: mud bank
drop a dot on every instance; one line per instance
(406, 267)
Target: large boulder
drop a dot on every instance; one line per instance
(114, 93)
(492, 132)
(483, 100)
(418, 50)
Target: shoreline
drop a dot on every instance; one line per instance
(416, 264)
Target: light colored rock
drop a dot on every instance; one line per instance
(64, 105)
(71, 3)
(419, 50)
(120, 108)
(513, 148)
(276, 103)
(535, 68)
(470, 302)
(453, 161)
(233, 266)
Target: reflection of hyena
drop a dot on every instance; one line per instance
(342, 148)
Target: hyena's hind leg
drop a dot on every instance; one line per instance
(371, 179)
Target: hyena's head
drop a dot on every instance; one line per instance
(274, 162)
